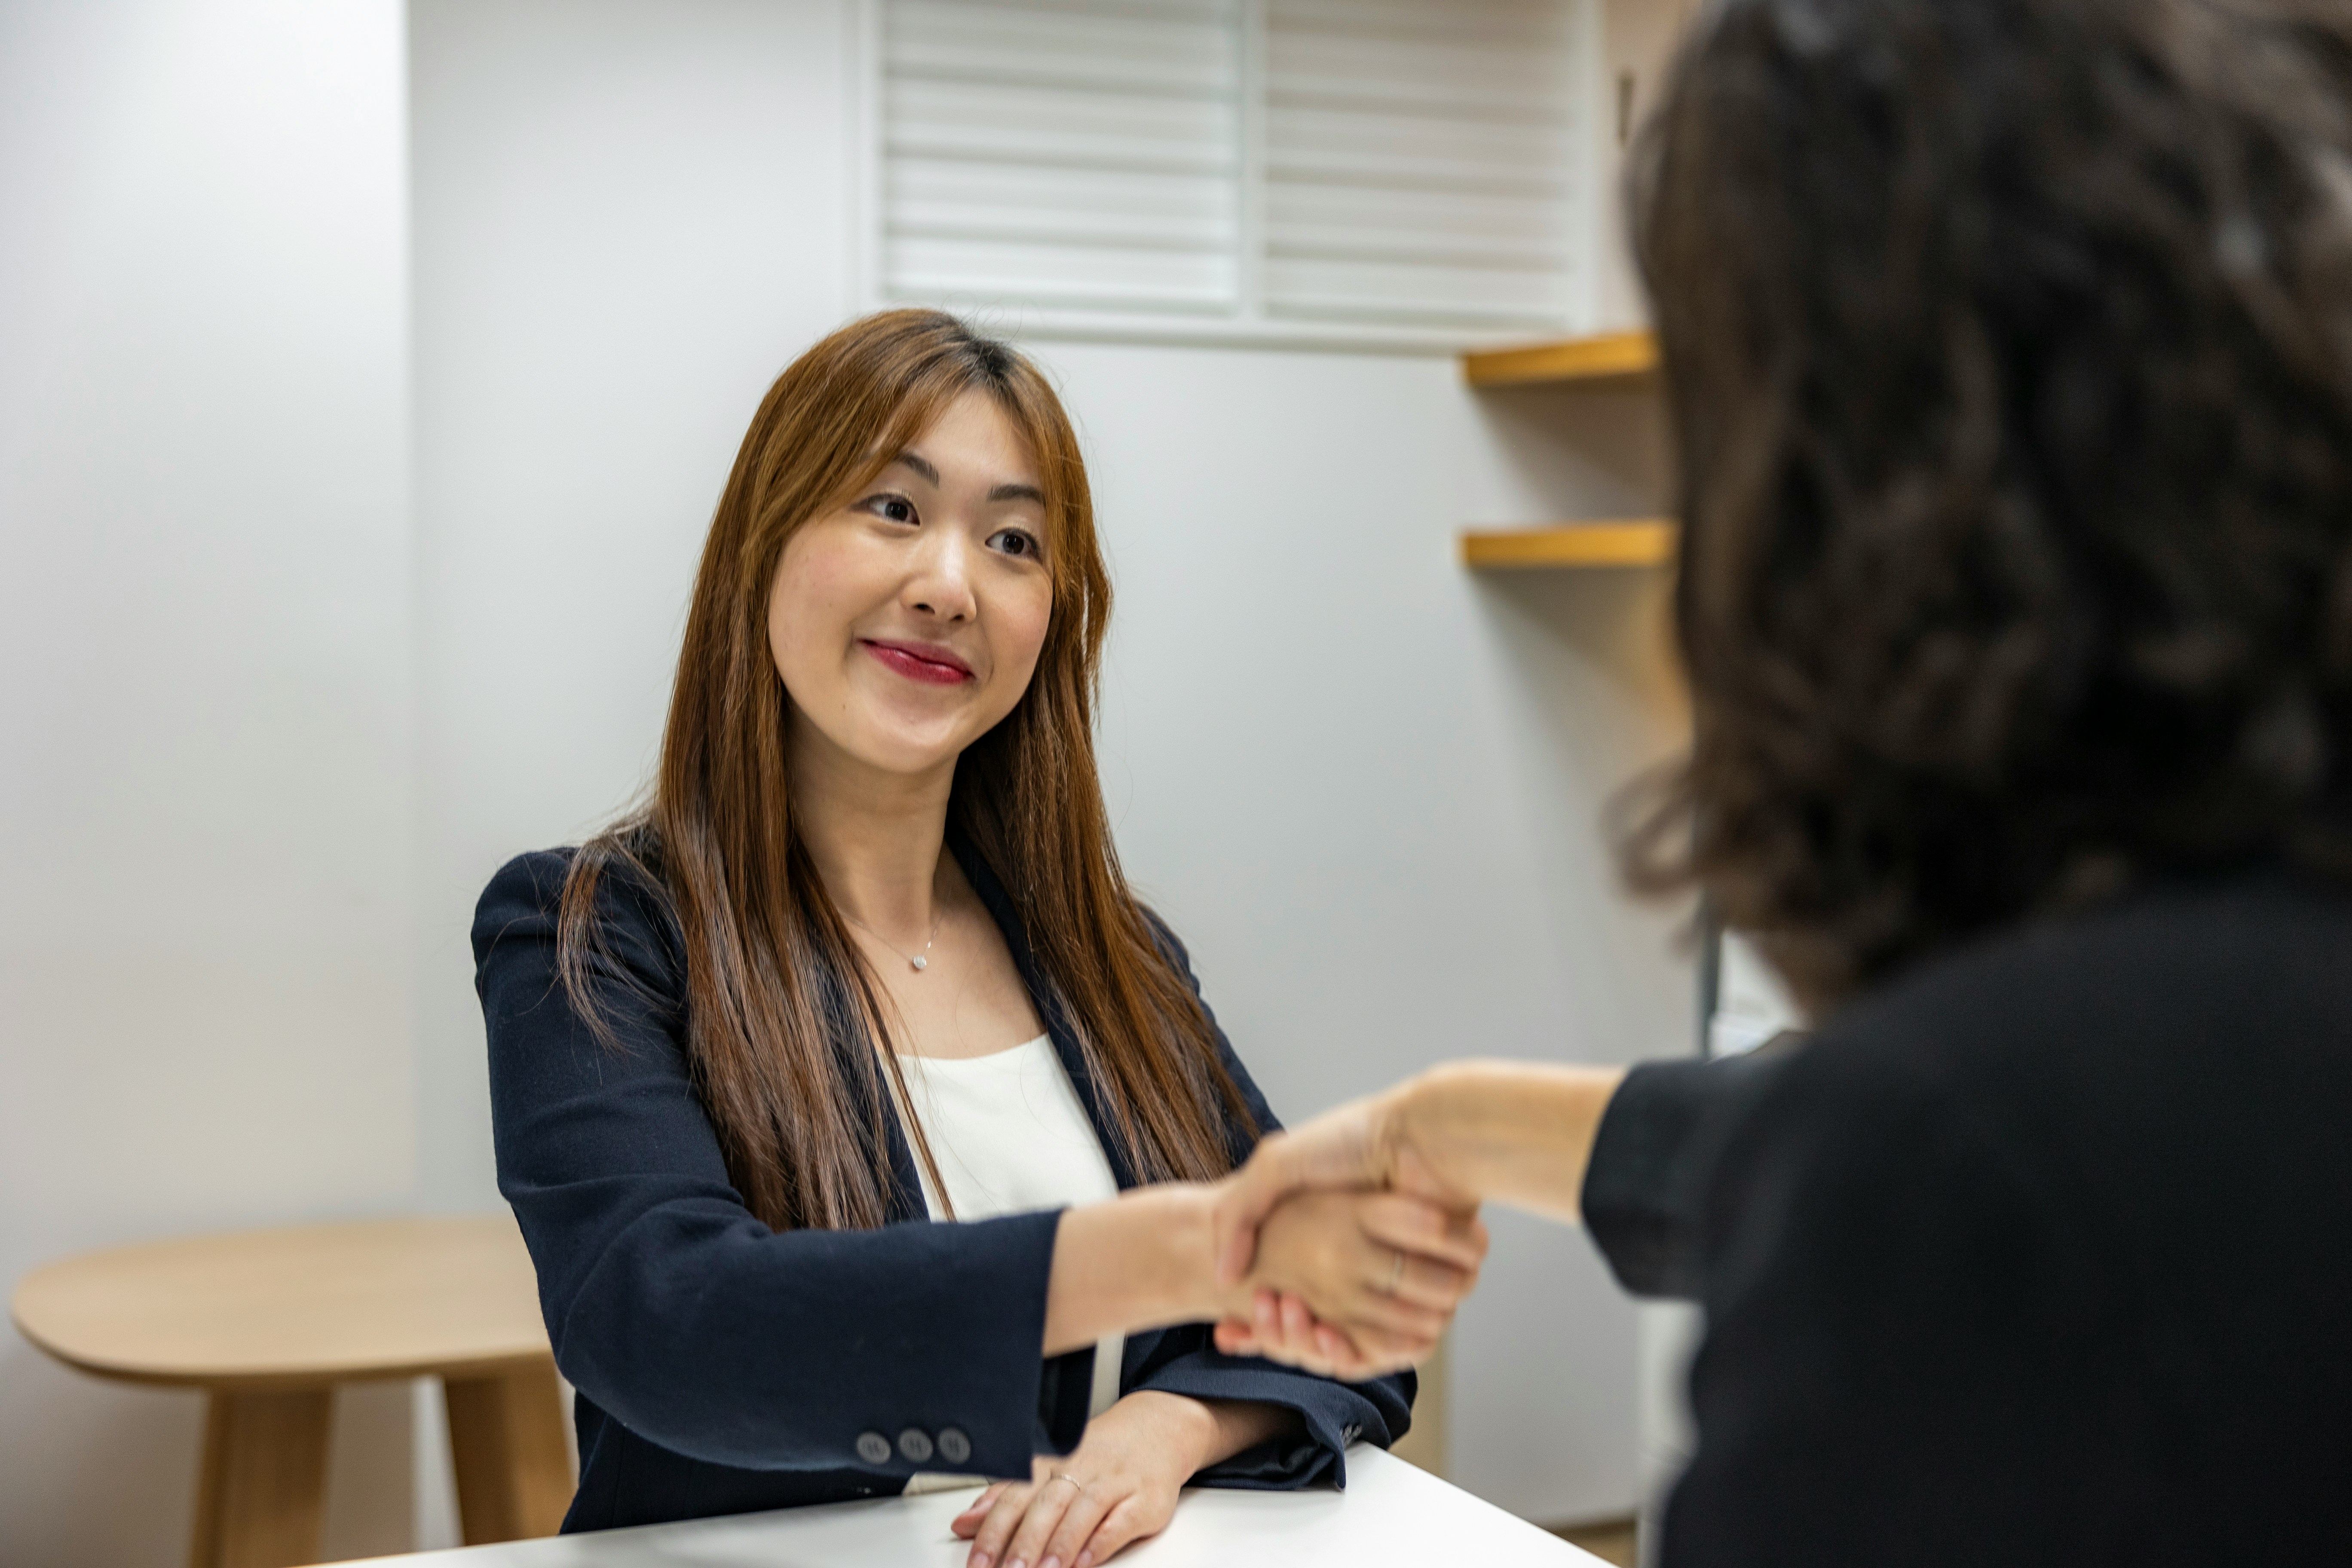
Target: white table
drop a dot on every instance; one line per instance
(1391, 1513)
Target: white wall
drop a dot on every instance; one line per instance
(206, 621)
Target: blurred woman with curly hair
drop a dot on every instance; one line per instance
(2009, 357)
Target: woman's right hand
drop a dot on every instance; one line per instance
(1383, 1273)
(1361, 1145)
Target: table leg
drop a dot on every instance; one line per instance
(265, 1476)
(514, 1470)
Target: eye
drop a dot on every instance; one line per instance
(1017, 542)
(891, 507)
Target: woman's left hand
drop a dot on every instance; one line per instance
(1118, 1487)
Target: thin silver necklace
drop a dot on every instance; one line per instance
(917, 962)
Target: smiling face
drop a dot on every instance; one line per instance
(906, 624)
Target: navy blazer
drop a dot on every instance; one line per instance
(722, 1367)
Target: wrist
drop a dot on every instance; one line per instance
(1169, 1264)
(1199, 1433)
(1145, 1260)
(1184, 1226)
(1432, 1114)
(1183, 1428)
(1517, 1132)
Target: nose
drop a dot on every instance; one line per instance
(940, 582)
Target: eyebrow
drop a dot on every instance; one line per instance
(922, 464)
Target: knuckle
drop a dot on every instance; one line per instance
(1007, 1515)
(1073, 1535)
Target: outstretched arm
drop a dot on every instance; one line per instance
(1634, 1153)
(1464, 1133)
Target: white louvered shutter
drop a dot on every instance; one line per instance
(1399, 165)
(1418, 161)
(1075, 153)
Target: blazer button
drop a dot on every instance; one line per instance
(954, 1446)
(914, 1445)
(873, 1448)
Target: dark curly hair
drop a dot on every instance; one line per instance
(2008, 354)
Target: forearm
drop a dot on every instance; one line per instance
(772, 1346)
(1143, 1260)
(1205, 1432)
(1511, 1132)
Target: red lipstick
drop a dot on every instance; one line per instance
(926, 662)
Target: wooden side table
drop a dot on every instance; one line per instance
(267, 1322)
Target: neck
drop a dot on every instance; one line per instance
(876, 837)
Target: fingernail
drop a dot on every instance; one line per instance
(1051, 1562)
(978, 1560)
(1085, 1560)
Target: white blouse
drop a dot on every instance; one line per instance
(1009, 1137)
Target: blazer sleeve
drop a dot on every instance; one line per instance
(1645, 1186)
(1186, 1361)
(668, 1302)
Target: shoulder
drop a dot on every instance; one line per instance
(2061, 1005)
(1959, 1050)
(522, 897)
(633, 914)
(2060, 1071)
(529, 884)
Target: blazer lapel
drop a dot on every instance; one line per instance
(904, 1201)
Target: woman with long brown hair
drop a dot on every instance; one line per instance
(867, 958)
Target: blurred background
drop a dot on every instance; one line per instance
(368, 373)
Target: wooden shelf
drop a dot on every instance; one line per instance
(1622, 359)
(1647, 542)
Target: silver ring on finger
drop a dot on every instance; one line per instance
(1396, 1275)
(1066, 1475)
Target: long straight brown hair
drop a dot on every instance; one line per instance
(784, 1026)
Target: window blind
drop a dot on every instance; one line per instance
(1377, 163)
(1418, 158)
(1081, 153)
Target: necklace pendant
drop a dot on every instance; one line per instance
(920, 962)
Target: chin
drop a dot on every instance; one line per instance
(899, 749)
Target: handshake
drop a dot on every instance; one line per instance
(1344, 1246)
(1341, 1248)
